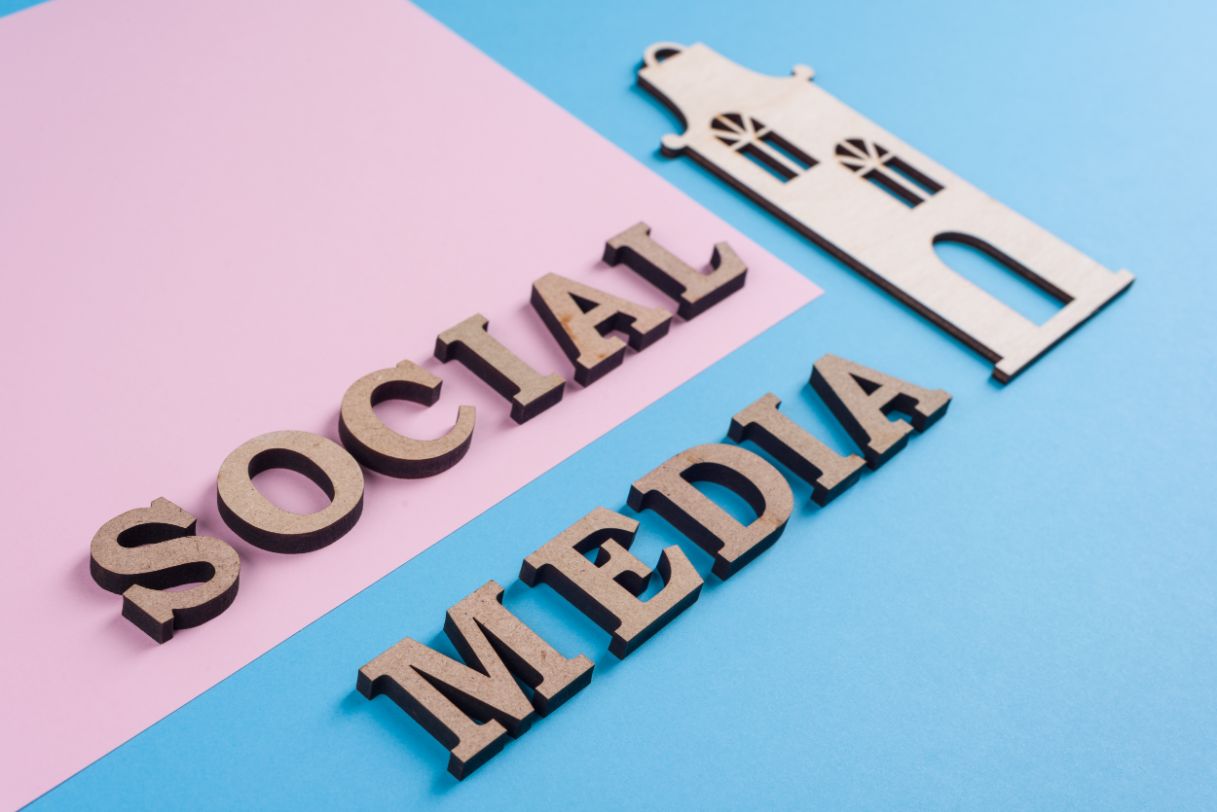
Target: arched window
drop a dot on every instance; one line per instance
(761, 145)
(1002, 276)
(887, 171)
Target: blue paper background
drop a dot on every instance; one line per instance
(1019, 611)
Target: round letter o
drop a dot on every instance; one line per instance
(263, 524)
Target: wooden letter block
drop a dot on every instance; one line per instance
(580, 318)
(694, 291)
(529, 391)
(607, 591)
(379, 447)
(828, 473)
(263, 524)
(143, 553)
(669, 491)
(471, 709)
(862, 398)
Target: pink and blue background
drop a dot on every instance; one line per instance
(1019, 611)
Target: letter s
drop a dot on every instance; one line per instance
(143, 552)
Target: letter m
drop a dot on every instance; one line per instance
(471, 709)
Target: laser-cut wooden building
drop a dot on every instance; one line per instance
(872, 200)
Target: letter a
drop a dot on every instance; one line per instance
(862, 398)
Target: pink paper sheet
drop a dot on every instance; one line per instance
(213, 218)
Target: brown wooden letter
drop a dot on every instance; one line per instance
(580, 318)
(607, 591)
(144, 552)
(529, 391)
(448, 698)
(669, 491)
(379, 447)
(696, 292)
(828, 473)
(263, 524)
(861, 399)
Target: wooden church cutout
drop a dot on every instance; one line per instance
(872, 201)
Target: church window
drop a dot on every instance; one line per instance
(761, 145)
(887, 171)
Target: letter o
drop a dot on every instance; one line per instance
(263, 524)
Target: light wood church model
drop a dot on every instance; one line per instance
(873, 201)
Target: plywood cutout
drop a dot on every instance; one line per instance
(143, 554)
(382, 449)
(473, 708)
(828, 473)
(669, 490)
(264, 524)
(580, 317)
(872, 200)
(862, 399)
(607, 591)
(470, 343)
(695, 292)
